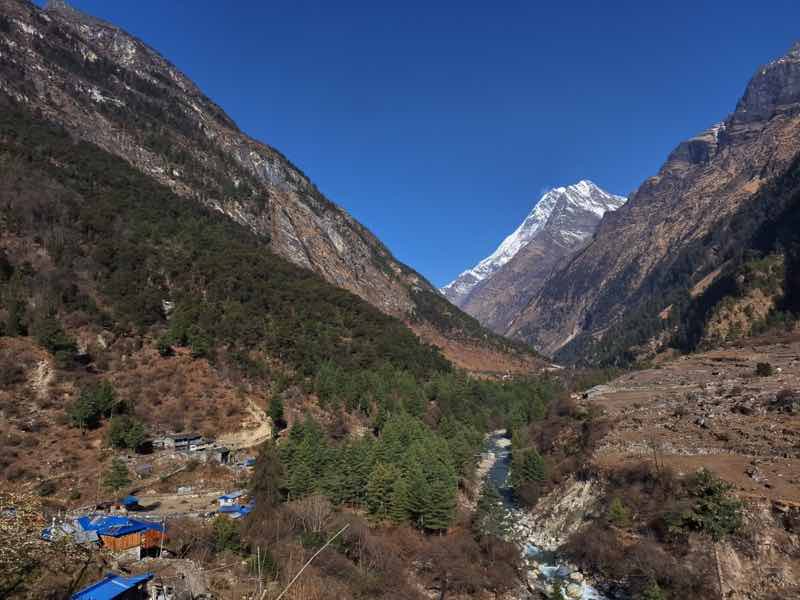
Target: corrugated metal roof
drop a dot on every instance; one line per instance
(116, 526)
(237, 510)
(232, 495)
(112, 586)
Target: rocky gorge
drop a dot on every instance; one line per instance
(540, 531)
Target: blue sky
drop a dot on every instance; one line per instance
(438, 124)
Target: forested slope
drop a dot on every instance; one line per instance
(108, 278)
(106, 87)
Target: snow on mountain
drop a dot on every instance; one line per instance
(583, 195)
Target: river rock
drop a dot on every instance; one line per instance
(533, 580)
(574, 590)
(576, 577)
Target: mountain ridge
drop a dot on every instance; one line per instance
(637, 251)
(559, 223)
(109, 88)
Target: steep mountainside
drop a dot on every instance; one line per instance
(127, 312)
(561, 222)
(109, 88)
(458, 290)
(679, 226)
(575, 213)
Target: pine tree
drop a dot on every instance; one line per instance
(104, 397)
(491, 516)
(399, 503)
(379, 489)
(117, 477)
(441, 504)
(418, 493)
(357, 467)
(126, 432)
(83, 413)
(276, 413)
(301, 481)
(269, 476)
(618, 514)
(333, 480)
(529, 467)
(15, 318)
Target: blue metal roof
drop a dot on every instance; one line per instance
(116, 526)
(112, 586)
(232, 495)
(237, 510)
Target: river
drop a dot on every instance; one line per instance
(544, 568)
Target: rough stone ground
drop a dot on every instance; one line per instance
(712, 410)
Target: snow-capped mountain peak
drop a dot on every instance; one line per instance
(584, 195)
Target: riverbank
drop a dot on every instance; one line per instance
(534, 534)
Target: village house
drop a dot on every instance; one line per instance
(231, 498)
(178, 441)
(121, 534)
(232, 505)
(192, 443)
(117, 587)
(221, 454)
(115, 532)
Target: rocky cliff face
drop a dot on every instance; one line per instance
(705, 181)
(563, 220)
(109, 88)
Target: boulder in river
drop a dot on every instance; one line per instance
(574, 590)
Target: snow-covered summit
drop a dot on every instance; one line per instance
(582, 196)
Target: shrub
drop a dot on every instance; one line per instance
(226, 535)
(46, 488)
(714, 512)
(764, 369)
(164, 345)
(653, 592)
(48, 333)
(618, 513)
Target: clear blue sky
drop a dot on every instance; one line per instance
(438, 124)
